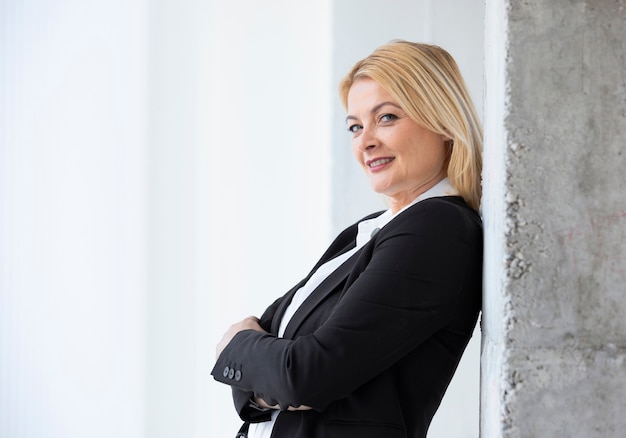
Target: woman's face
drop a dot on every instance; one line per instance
(401, 159)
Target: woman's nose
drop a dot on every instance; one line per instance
(367, 140)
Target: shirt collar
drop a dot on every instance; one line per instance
(367, 227)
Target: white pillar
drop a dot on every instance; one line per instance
(72, 215)
(265, 168)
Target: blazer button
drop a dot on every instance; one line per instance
(231, 373)
(238, 375)
(226, 371)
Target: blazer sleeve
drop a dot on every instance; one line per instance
(406, 288)
(242, 398)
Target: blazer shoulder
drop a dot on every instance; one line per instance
(444, 212)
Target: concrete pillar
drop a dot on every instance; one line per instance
(554, 323)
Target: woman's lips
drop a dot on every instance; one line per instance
(378, 163)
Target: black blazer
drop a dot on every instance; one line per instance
(374, 347)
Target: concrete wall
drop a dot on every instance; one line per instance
(554, 350)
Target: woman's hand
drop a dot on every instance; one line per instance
(262, 403)
(249, 323)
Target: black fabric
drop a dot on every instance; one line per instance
(373, 348)
(243, 431)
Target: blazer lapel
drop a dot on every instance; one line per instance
(325, 288)
(280, 311)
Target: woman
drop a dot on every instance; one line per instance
(367, 343)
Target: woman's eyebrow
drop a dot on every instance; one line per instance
(375, 109)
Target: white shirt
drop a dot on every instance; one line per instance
(364, 234)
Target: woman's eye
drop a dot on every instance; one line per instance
(354, 128)
(388, 118)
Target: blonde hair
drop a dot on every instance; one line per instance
(427, 84)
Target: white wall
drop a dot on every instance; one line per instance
(240, 186)
(72, 218)
(150, 154)
(159, 163)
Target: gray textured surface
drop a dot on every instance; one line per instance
(556, 354)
